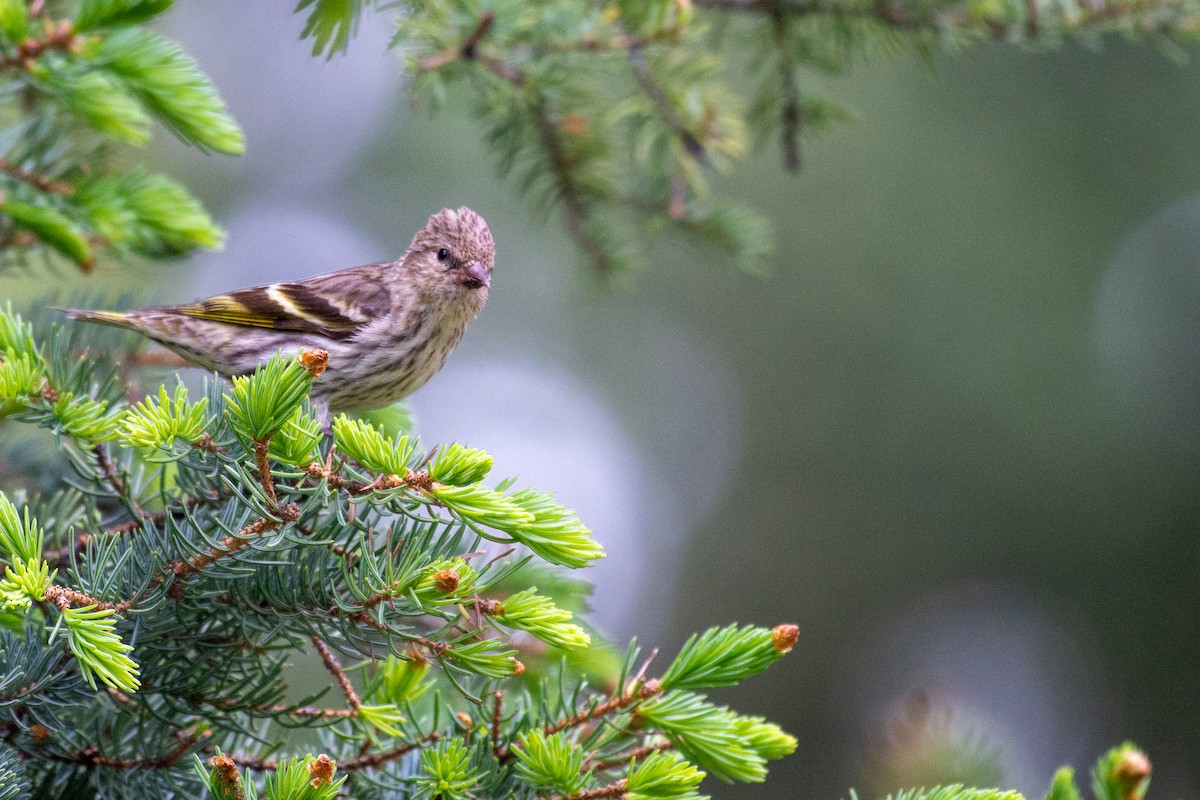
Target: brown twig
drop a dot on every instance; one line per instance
(59, 36)
(62, 555)
(368, 761)
(961, 17)
(36, 179)
(92, 757)
(335, 669)
(497, 719)
(637, 753)
(288, 512)
(789, 89)
(63, 598)
(649, 689)
(617, 789)
(664, 106)
(262, 448)
(469, 50)
(109, 470)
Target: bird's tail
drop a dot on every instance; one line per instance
(116, 319)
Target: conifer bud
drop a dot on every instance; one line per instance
(445, 580)
(1131, 771)
(314, 361)
(321, 768)
(784, 637)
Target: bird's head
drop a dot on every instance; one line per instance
(453, 255)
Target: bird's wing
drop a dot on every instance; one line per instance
(336, 305)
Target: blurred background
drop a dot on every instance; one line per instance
(952, 435)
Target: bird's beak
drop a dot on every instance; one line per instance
(476, 275)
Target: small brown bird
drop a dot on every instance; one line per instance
(388, 327)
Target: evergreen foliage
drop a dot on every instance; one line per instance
(620, 114)
(187, 560)
(73, 85)
(160, 577)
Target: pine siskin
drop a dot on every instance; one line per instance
(388, 327)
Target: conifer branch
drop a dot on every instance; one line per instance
(58, 36)
(288, 512)
(662, 103)
(43, 182)
(618, 789)
(335, 669)
(62, 597)
(637, 753)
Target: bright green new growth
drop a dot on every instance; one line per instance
(460, 466)
(446, 772)
(955, 792)
(159, 421)
(550, 762)
(19, 539)
(400, 680)
(664, 776)
(263, 402)
(295, 780)
(98, 650)
(537, 615)
(721, 657)
(370, 448)
(75, 84)
(555, 532)
(709, 735)
(24, 582)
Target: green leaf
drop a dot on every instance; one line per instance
(1123, 773)
(1064, 786)
(85, 418)
(166, 209)
(19, 540)
(460, 466)
(296, 442)
(21, 379)
(382, 717)
(16, 336)
(491, 658)
(706, 734)
(663, 776)
(955, 792)
(555, 532)
(95, 14)
(538, 615)
(330, 24)
(366, 445)
(14, 783)
(721, 657)
(400, 680)
(261, 403)
(765, 738)
(550, 762)
(51, 227)
(446, 771)
(25, 582)
(483, 506)
(294, 779)
(157, 422)
(100, 653)
(14, 20)
(149, 214)
(101, 99)
(172, 87)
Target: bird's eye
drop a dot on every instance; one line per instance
(443, 254)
